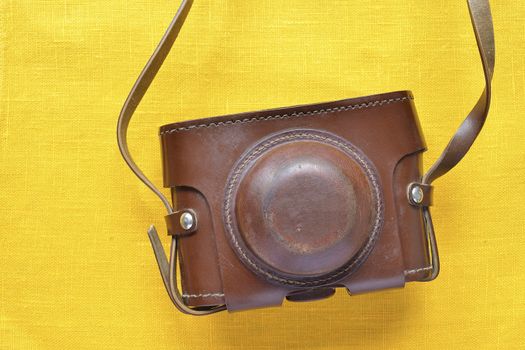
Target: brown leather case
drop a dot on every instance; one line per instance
(199, 158)
(294, 202)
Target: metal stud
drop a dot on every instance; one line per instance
(187, 220)
(417, 194)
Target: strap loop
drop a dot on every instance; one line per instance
(181, 223)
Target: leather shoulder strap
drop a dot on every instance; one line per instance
(470, 128)
(139, 90)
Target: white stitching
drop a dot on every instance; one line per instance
(207, 295)
(421, 269)
(303, 135)
(289, 115)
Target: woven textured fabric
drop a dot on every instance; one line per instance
(76, 267)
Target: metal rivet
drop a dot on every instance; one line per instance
(187, 220)
(417, 194)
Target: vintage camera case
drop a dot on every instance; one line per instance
(295, 202)
(305, 197)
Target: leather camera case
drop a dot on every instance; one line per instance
(294, 202)
(298, 198)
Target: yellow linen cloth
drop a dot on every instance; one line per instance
(76, 267)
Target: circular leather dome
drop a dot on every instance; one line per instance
(303, 208)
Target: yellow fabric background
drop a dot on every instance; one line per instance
(76, 267)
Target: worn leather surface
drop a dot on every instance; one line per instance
(382, 127)
(299, 196)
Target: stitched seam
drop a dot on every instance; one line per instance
(421, 269)
(289, 115)
(304, 135)
(207, 295)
